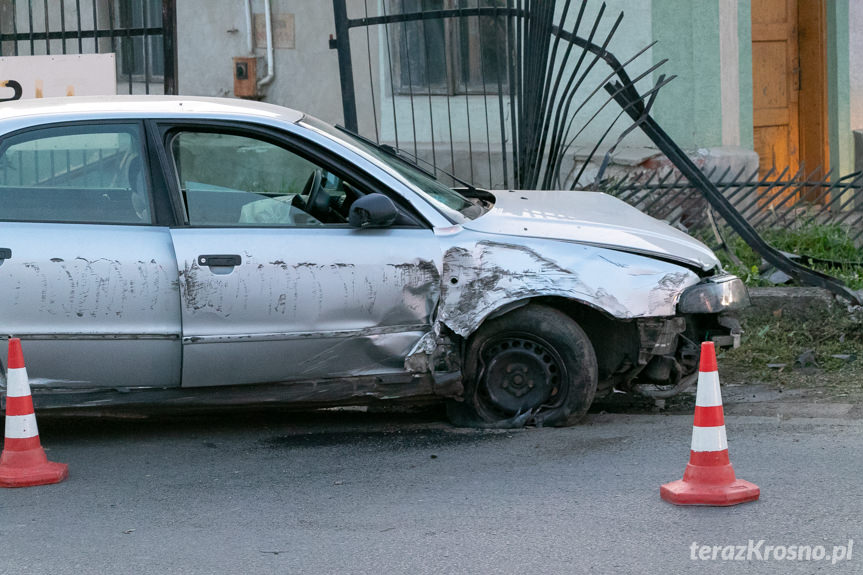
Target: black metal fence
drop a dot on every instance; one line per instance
(142, 34)
(774, 200)
(500, 93)
(531, 88)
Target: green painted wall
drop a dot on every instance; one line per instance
(839, 87)
(744, 36)
(688, 35)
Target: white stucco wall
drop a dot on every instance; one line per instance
(210, 33)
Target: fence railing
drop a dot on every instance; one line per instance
(142, 33)
(501, 93)
(551, 98)
(774, 200)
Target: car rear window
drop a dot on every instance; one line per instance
(84, 174)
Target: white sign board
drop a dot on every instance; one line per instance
(61, 75)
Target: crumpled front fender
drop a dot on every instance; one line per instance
(484, 274)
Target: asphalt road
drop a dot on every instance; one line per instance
(352, 492)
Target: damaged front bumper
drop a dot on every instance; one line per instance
(670, 347)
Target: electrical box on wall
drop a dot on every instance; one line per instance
(245, 78)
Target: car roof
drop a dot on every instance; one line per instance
(94, 107)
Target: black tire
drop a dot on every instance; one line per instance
(532, 365)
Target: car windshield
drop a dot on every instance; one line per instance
(435, 190)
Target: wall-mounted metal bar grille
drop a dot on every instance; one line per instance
(140, 33)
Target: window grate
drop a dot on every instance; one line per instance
(140, 32)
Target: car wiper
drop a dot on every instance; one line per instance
(414, 161)
(408, 158)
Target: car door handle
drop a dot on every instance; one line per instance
(224, 260)
(5, 254)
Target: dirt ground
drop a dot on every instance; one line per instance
(801, 355)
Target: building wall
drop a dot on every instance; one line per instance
(855, 29)
(210, 33)
(744, 71)
(707, 42)
(839, 86)
(855, 32)
(687, 33)
(708, 106)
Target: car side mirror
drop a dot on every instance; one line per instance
(373, 211)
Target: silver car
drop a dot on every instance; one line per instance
(177, 250)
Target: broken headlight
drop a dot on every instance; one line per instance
(714, 295)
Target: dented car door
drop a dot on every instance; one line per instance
(273, 290)
(88, 276)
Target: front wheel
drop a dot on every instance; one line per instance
(532, 365)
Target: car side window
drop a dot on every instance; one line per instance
(237, 181)
(75, 174)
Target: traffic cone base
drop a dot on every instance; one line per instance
(699, 486)
(30, 468)
(23, 462)
(709, 478)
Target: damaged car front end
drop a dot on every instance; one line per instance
(707, 312)
(642, 293)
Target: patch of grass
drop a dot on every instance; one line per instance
(803, 347)
(813, 335)
(816, 241)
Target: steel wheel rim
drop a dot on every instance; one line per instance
(520, 372)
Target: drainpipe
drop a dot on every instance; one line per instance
(250, 33)
(271, 72)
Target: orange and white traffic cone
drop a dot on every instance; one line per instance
(23, 462)
(709, 477)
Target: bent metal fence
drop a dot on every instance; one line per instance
(526, 94)
(142, 33)
(774, 200)
(498, 92)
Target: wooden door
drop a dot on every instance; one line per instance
(812, 42)
(776, 84)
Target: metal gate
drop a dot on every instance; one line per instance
(539, 75)
(493, 91)
(142, 33)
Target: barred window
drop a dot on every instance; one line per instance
(141, 57)
(457, 55)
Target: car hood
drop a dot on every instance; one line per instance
(590, 218)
